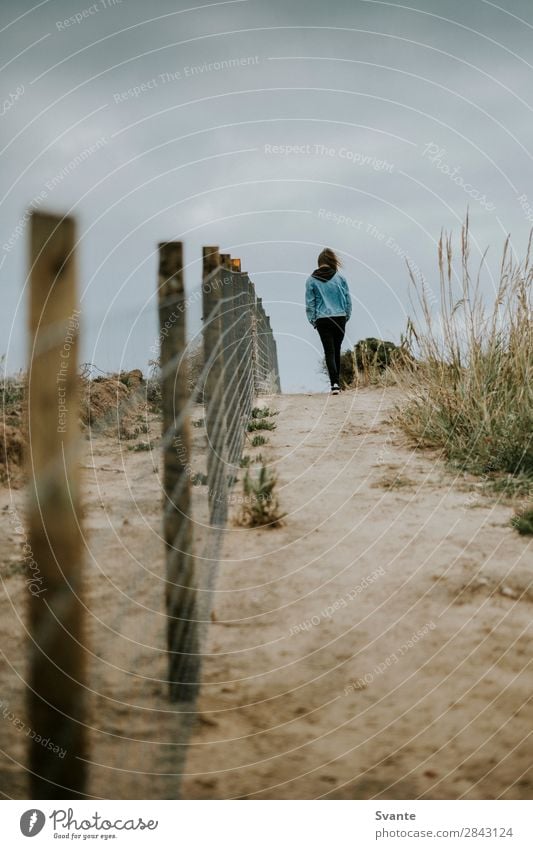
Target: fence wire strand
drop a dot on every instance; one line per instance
(139, 653)
(248, 369)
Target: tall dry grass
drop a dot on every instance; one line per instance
(471, 393)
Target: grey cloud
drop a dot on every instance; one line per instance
(128, 195)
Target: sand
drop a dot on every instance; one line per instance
(376, 645)
(365, 649)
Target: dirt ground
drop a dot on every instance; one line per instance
(377, 645)
(135, 741)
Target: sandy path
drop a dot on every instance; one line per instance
(365, 649)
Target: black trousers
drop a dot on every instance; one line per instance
(331, 332)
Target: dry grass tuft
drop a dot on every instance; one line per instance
(471, 393)
(260, 505)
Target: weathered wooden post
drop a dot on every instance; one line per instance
(214, 394)
(268, 351)
(262, 346)
(255, 338)
(227, 340)
(231, 353)
(240, 351)
(249, 345)
(276, 364)
(246, 357)
(57, 663)
(182, 632)
(271, 350)
(238, 364)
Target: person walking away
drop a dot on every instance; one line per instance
(329, 306)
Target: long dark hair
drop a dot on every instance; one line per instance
(329, 258)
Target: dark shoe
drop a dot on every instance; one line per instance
(335, 389)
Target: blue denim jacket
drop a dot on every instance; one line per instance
(325, 298)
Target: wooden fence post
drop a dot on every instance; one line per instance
(268, 338)
(273, 373)
(276, 364)
(230, 345)
(182, 631)
(255, 341)
(57, 664)
(227, 339)
(241, 364)
(249, 345)
(262, 346)
(214, 395)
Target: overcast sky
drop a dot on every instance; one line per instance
(396, 116)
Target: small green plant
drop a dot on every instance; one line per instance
(195, 369)
(263, 413)
(11, 388)
(394, 482)
(258, 440)
(199, 479)
(511, 486)
(260, 424)
(260, 506)
(140, 446)
(153, 387)
(11, 391)
(247, 461)
(523, 522)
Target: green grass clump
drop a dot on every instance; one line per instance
(141, 446)
(11, 392)
(258, 440)
(510, 486)
(523, 522)
(199, 479)
(260, 424)
(260, 506)
(11, 395)
(471, 389)
(263, 413)
(246, 461)
(394, 482)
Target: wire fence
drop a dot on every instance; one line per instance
(115, 654)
